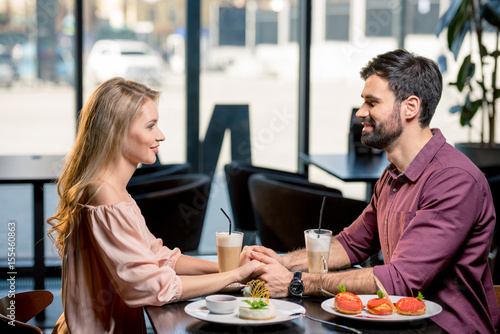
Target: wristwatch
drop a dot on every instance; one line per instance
(296, 286)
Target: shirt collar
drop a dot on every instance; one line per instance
(423, 158)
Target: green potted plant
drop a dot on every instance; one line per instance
(478, 20)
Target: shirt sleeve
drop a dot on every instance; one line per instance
(140, 268)
(361, 239)
(450, 204)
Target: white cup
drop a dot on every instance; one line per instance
(229, 249)
(318, 249)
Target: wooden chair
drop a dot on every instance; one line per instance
(27, 305)
(497, 292)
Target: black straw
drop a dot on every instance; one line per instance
(228, 219)
(321, 215)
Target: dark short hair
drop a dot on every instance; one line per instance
(409, 74)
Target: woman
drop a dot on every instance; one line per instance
(111, 264)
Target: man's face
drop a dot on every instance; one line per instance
(379, 114)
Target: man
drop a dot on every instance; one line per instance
(431, 214)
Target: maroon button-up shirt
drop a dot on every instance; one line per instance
(433, 223)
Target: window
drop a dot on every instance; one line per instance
(337, 20)
(380, 18)
(423, 16)
(232, 26)
(266, 27)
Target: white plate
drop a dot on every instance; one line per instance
(200, 311)
(432, 309)
(233, 287)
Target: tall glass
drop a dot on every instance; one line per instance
(229, 249)
(318, 249)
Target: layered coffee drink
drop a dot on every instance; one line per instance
(228, 250)
(317, 262)
(318, 249)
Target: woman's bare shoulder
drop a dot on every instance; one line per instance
(103, 193)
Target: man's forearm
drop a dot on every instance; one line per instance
(338, 258)
(296, 260)
(358, 281)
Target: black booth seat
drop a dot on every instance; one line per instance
(174, 207)
(237, 174)
(285, 208)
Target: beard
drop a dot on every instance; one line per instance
(385, 133)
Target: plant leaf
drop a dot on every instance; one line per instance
(490, 11)
(380, 294)
(445, 19)
(341, 288)
(469, 110)
(455, 109)
(458, 28)
(465, 73)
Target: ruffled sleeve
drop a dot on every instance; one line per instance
(140, 268)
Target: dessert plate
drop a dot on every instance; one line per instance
(284, 309)
(432, 309)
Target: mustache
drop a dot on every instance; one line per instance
(367, 120)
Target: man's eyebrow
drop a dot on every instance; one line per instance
(371, 97)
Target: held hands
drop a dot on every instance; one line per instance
(248, 252)
(273, 273)
(246, 271)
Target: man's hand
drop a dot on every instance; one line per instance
(276, 276)
(246, 254)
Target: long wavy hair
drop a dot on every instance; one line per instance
(104, 123)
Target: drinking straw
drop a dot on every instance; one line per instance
(228, 219)
(320, 215)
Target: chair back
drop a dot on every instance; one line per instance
(27, 305)
(237, 175)
(283, 210)
(174, 207)
(151, 172)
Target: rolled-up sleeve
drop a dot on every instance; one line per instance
(140, 268)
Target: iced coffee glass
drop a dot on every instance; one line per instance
(318, 249)
(228, 249)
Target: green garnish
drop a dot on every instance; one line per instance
(256, 304)
(380, 294)
(341, 288)
(420, 296)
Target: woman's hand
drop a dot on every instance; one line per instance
(246, 271)
(248, 254)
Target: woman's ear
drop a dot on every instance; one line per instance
(412, 107)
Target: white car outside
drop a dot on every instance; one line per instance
(129, 59)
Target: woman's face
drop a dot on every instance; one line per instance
(144, 137)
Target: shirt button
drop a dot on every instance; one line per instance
(385, 222)
(394, 190)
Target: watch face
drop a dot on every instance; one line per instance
(296, 288)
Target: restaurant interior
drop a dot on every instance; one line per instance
(266, 87)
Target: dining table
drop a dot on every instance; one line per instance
(181, 317)
(350, 167)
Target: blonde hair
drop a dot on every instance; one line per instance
(104, 123)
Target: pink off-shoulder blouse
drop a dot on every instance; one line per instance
(112, 267)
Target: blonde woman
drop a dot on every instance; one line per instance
(111, 264)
